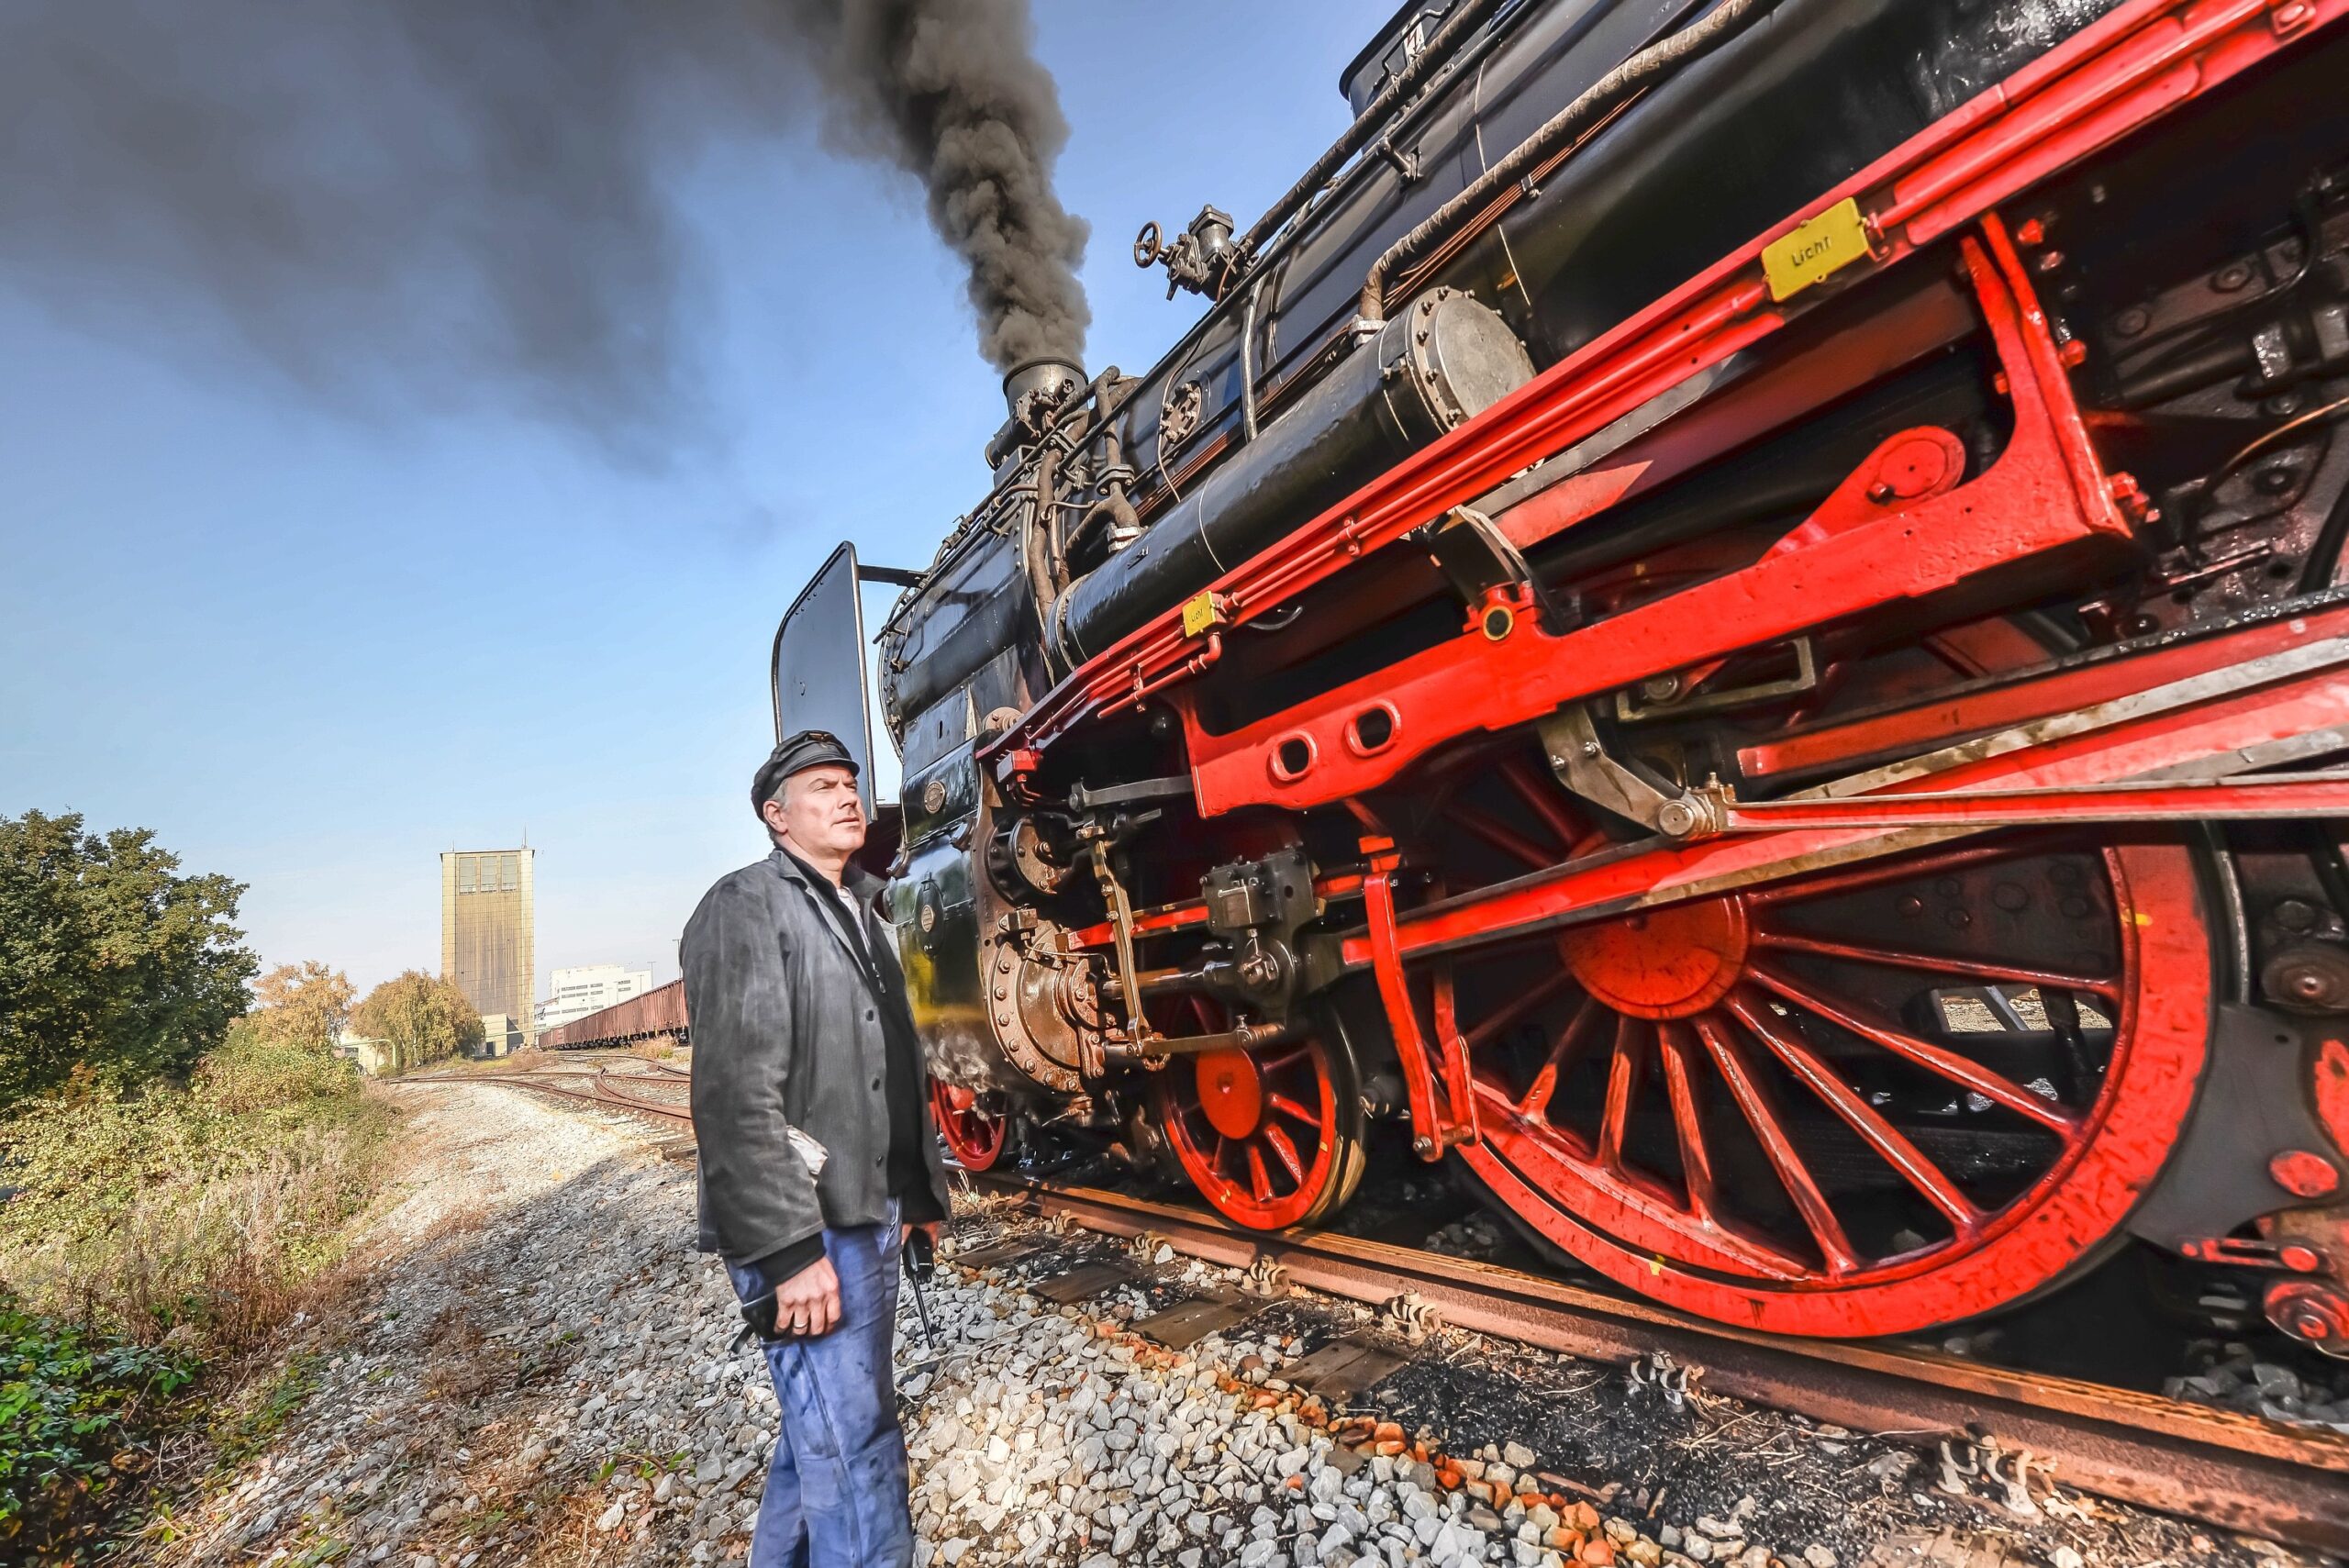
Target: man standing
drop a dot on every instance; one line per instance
(800, 1022)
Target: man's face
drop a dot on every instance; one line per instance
(820, 811)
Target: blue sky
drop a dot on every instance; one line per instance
(312, 649)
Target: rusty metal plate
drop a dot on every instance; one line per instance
(1343, 1369)
(996, 1252)
(1186, 1323)
(1077, 1284)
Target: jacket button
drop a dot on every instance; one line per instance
(877, 1083)
(876, 1162)
(868, 1015)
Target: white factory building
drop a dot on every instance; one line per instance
(590, 988)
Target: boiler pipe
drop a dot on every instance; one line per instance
(1465, 17)
(1691, 42)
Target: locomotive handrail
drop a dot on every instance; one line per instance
(1464, 18)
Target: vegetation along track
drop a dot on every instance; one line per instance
(2228, 1469)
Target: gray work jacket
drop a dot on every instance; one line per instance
(785, 1033)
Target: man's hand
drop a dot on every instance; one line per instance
(928, 1227)
(809, 1301)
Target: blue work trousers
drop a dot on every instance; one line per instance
(836, 1493)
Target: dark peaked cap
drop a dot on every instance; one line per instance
(808, 749)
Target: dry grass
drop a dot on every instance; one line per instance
(203, 1218)
(216, 1264)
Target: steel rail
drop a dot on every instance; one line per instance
(2212, 1466)
(598, 1094)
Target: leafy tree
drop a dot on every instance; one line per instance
(111, 962)
(421, 1017)
(304, 1003)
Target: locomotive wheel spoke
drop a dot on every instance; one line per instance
(1289, 1107)
(1687, 1125)
(1623, 1083)
(1259, 1179)
(1286, 1151)
(1525, 1003)
(1862, 1117)
(1501, 837)
(1893, 958)
(1568, 1043)
(1959, 1069)
(1542, 801)
(1753, 1103)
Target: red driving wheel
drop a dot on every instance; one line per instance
(972, 1135)
(1271, 1139)
(1867, 1101)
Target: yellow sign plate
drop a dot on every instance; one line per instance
(1201, 612)
(1815, 248)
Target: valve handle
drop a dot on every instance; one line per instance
(1146, 244)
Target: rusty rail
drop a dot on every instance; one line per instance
(598, 1092)
(2212, 1466)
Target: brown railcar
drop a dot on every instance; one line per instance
(658, 1015)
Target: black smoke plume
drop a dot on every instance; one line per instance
(466, 201)
(950, 89)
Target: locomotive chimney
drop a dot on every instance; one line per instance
(1035, 390)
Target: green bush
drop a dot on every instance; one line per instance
(73, 1402)
(156, 1229)
(256, 1072)
(200, 1209)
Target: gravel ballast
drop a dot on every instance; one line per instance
(543, 1371)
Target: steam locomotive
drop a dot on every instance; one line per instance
(1733, 619)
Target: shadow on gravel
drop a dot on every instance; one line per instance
(517, 1383)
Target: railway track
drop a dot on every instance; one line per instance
(2218, 1466)
(2214, 1465)
(601, 1087)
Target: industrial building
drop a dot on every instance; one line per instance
(487, 939)
(587, 988)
